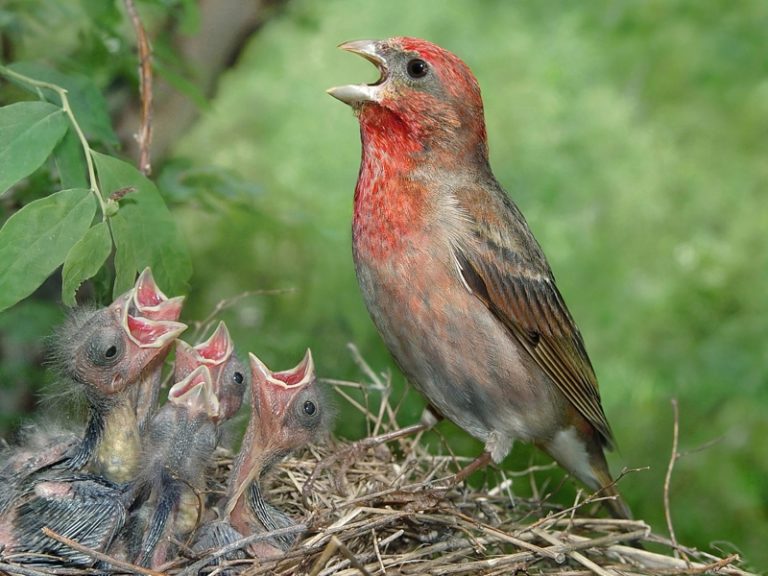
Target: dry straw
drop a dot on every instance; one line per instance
(375, 507)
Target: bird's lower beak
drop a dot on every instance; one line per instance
(155, 334)
(196, 393)
(357, 94)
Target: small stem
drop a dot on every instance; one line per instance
(668, 479)
(62, 92)
(145, 84)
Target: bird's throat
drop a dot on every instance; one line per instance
(388, 203)
(118, 452)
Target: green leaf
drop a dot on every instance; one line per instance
(143, 229)
(70, 162)
(88, 104)
(35, 240)
(126, 265)
(29, 131)
(84, 260)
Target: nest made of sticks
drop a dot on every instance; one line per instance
(384, 506)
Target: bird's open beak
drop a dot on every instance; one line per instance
(303, 373)
(218, 348)
(196, 393)
(273, 390)
(150, 301)
(152, 333)
(357, 94)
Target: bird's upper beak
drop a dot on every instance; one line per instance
(274, 390)
(218, 348)
(150, 301)
(300, 375)
(357, 94)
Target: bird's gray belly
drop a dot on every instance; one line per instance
(458, 355)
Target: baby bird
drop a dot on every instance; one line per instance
(287, 412)
(151, 303)
(73, 487)
(179, 450)
(227, 371)
(151, 525)
(112, 441)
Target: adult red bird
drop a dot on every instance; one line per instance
(453, 278)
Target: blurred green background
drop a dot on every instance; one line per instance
(632, 134)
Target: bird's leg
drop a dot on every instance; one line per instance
(480, 462)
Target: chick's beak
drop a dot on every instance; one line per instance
(357, 94)
(196, 393)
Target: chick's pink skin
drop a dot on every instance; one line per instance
(277, 427)
(227, 372)
(148, 301)
(454, 280)
(151, 302)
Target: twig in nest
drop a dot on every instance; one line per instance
(96, 555)
(242, 543)
(333, 545)
(145, 83)
(577, 556)
(353, 450)
(668, 478)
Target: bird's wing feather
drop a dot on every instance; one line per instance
(505, 268)
(90, 512)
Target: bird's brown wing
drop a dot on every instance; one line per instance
(505, 268)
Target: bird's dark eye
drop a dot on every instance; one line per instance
(309, 408)
(238, 377)
(111, 351)
(417, 68)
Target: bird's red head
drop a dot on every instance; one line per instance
(426, 97)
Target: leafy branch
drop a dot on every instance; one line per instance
(67, 108)
(60, 229)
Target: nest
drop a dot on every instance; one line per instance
(385, 505)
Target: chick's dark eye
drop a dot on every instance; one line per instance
(110, 352)
(238, 377)
(417, 68)
(309, 408)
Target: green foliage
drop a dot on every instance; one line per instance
(36, 239)
(84, 260)
(143, 229)
(28, 133)
(85, 99)
(59, 228)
